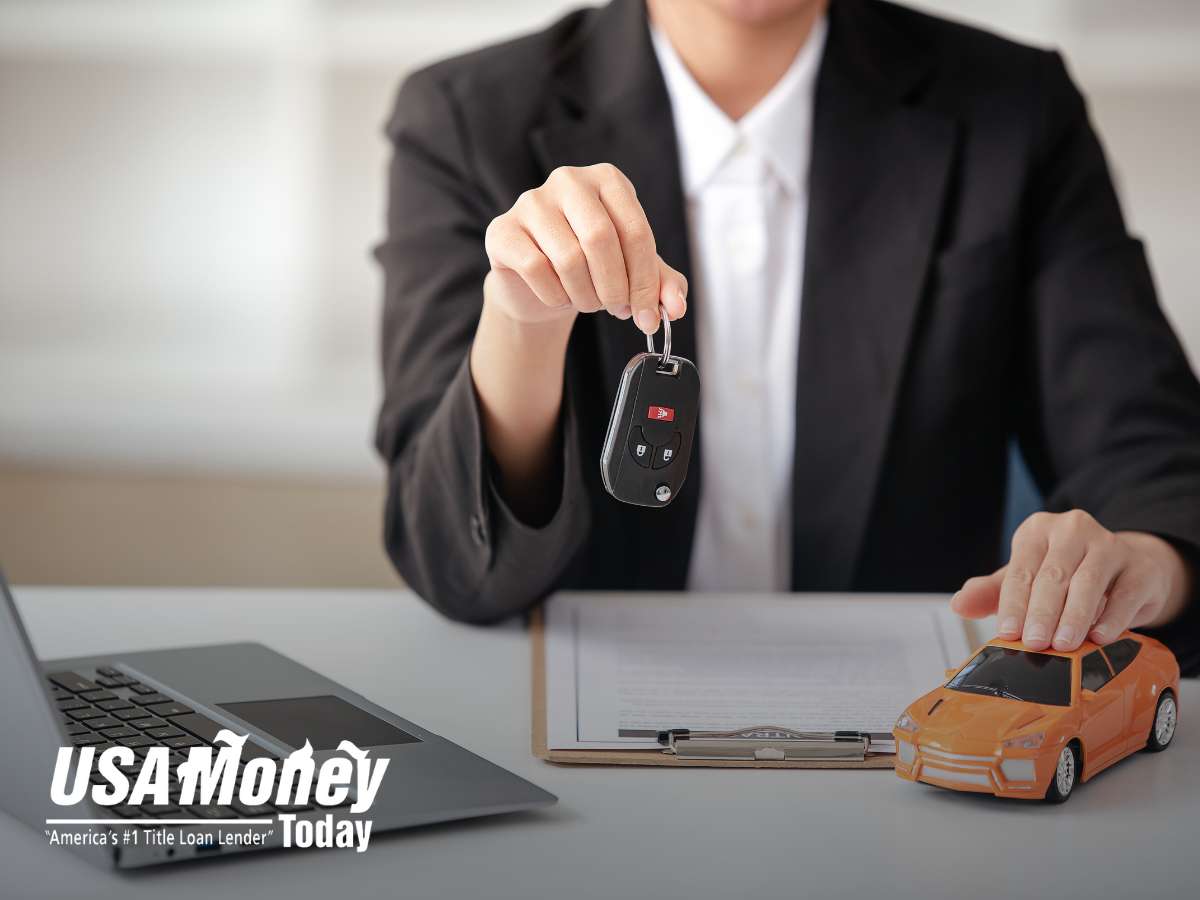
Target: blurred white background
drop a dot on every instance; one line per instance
(189, 191)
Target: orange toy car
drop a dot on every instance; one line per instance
(1031, 724)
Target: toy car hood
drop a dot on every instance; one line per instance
(976, 717)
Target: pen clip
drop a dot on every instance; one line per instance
(765, 743)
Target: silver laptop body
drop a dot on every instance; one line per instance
(247, 688)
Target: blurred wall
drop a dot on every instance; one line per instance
(188, 193)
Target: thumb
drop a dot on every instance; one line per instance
(979, 596)
(672, 291)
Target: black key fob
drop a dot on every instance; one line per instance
(650, 431)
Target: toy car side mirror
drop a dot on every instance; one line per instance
(951, 672)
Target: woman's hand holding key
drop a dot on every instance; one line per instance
(580, 243)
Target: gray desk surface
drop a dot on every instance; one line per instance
(617, 832)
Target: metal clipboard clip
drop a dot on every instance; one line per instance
(765, 743)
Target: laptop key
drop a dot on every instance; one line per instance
(97, 695)
(103, 722)
(74, 728)
(169, 709)
(179, 742)
(58, 693)
(111, 705)
(72, 702)
(153, 697)
(72, 682)
(160, 734)
(201, 726)
(137, 740)
(136, 713)
(149, 722)
(108, 670)
(85, 740)
(86, 713)
(138, 688)
(120, 731)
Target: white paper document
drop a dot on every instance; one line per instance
(620, 667)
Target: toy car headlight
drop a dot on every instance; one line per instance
(906, 723)
(1025, 741)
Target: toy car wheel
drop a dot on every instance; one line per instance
(1166, 716)
(1066, 773)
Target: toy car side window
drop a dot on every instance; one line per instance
(1095, 673)
(1121, 653)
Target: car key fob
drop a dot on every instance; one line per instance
(650, 430)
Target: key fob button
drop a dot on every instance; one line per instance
(639, 448)
(663, 493)
(665, 455)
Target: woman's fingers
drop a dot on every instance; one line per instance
(979, 596)
(548, 227)
(1070, 578)
(1135, 595)
(637, 243)
(510, 247)
(582, 239)
(597, 237)
(1029, 547)
(1048, 594)
(672, 291)
(1086, 596)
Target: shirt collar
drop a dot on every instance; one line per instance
(778, 127)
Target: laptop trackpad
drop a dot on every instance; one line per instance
(326, 721)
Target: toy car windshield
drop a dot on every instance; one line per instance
(1017, 675)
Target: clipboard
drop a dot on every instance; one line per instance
(651, 756)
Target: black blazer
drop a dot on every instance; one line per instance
(968, 277)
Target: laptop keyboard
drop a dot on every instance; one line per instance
(110, 709)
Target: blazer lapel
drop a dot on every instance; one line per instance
(615, 109)
(878, 181)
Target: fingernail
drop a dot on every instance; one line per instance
(623, 312)
(1010, 627)
(1036, 633)
(1065, 637)
(682, 295)
(1099, 635)
(647, 320)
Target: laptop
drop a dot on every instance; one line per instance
(181, 698)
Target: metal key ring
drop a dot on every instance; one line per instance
(666, 352)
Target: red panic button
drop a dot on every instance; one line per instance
(661, 414)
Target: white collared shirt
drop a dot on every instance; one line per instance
(746, 188)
